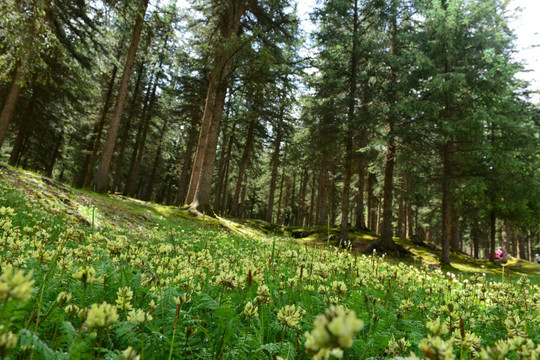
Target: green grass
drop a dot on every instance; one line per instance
(192, 277)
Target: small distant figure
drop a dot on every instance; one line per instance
(537, 258)
(499, 253)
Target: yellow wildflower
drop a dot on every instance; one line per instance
(130, 354)
(15, 285)
(290, 315)
(101, 316)
(85, 274)
(250, 310)
(334, 331)
(8, 342)
(123, 301)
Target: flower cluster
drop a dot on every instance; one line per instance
(15, 285)
(290, 315)
(101, 316)
(333, 332)
(85, 274)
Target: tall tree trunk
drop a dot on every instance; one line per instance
(280, 197)
(521, 254)
(379, 215)
(322, 196)
(95, 142)
(10, 104)
(454, 238)
(274, 174)
(446, 206)
(243, 164)
(512, 239)
(127, 128)
(129, 176)
(530, 255)
(387, 231)
(21, 134)
(360, 222)
(333, 200)
(224, 206)
(102, 173)
(293, 198)
(243, 197)
(371, 209)
(362, 166)
(492, 229)
(222, 157)
(386, 241)
(343, 232)
(409, 214)
(475, 238)
(300, 209)
(401, 215)
(311, 201)
(504, 238)
(200, 184)
(187, 162)
(56, 152)
(150, 187)
(144, 135)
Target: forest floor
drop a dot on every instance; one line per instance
(123, 213)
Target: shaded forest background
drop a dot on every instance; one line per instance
(403, 117)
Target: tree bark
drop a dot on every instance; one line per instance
(322, 196)
(371, 209)
(243, 198)
(102, 173)
(150, 187)
(521, 246)
(274, 174)
(379, 214)
(504, 237)
(224, 187)
(187, 162)
(385, 241)
(409, 214)
(21, 134)
(243, 164)
(492, 225)
(401, 215)
(300, 209)
(513, 240)
(311, 201)
(343, 232)
(387, 231)
(56, 152)
(10, 104)
(95, 142)
(446, 206)
(146, 126)
(455, 238)
(127, 128)
(200, 184)
(278, 215)
(222, 158)
(360, 222)
(475, 239)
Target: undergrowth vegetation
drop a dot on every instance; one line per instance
(181, 290)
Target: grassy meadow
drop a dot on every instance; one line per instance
(86, 276)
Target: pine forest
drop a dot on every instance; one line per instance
(248, 179)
